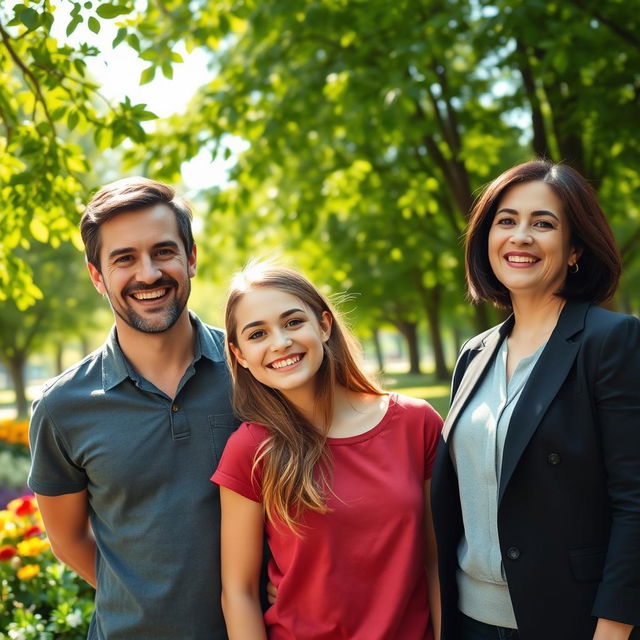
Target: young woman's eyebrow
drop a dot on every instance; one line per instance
(284, 314)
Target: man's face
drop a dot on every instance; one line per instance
(144, 269)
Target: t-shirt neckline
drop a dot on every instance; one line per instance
(365, 435)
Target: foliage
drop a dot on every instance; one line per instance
(65, 308)
(41, 598)
(46, 96)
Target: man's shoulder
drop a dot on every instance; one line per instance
(82, 374)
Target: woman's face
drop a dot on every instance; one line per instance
(280, 340)
(529, 241)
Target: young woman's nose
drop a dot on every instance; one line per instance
(281, 341)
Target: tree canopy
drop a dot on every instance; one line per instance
(369, 128)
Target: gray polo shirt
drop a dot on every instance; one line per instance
(145, 461)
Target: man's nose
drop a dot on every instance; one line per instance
(148, 270)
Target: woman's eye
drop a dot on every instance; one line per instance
(544, 224)
(256, 334)
(294, 322)
(505, 222)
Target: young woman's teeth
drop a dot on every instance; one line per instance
(285, 363)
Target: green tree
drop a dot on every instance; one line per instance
(64, 310)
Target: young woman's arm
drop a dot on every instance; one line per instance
(431, 562)
(242, 531)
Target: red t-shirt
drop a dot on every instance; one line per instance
(358, 571)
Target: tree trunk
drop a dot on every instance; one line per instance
(16, 365)
(432, 309)
(59, 357)
(409, 330)
(377, 345)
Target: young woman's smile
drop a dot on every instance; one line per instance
(280, 340)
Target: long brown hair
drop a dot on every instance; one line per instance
(294, 456)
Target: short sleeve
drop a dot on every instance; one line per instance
(432, 428)
(53, 471)
(235, 467)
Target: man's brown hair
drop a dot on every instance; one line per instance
(131, 194)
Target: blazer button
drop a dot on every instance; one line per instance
(554, 459)
(513, 553)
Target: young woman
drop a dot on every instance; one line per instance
(334, 470)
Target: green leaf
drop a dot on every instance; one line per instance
(134, 41)
(71, 27)
(39, 230)
(120, 36)
(109, 11)
(94, 25)
(72, 120)
(167, 70)
(29, 18)
(148, 74)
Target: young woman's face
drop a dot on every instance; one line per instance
(279, 339)
(529, 240)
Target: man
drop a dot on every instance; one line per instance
(124, 442)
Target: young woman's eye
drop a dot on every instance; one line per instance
(294, 322)
(256, 334)
(544, 224)
(505, 222)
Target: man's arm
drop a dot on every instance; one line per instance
(66, 519)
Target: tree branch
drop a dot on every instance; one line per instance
(29, 75)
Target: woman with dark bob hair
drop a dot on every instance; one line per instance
(536, 484)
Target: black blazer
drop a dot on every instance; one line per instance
(569, 493)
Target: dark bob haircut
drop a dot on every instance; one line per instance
(599, 264)
(126, 195)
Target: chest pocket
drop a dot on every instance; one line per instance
(221, 426)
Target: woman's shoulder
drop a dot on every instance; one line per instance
(599, 319)
(249, 434)
(415, 407)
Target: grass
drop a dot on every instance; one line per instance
(420, 386)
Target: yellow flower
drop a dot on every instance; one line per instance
(32, 546)
(28, 571)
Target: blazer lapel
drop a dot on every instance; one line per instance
(544, 383)
(474, 374)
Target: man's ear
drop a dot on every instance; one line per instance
(238, 355)
(96, 278)
(326, 324)
(192, 261)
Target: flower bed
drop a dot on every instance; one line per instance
(40, 598)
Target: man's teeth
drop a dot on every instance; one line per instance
(149, 295)
(285, 363)
(521, 259)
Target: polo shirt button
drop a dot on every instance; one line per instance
(554, 459)
(513, 553)
(174, 408)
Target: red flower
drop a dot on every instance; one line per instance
(6, 552)
(32, 531)
(24, 506)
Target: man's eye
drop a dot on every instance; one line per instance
(123, 259)
(165, 252)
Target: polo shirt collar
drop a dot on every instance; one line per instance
(116, 368)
